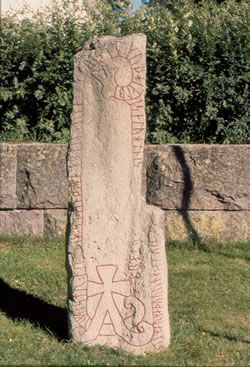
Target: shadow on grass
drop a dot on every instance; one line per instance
(228, 337)
(17, 304)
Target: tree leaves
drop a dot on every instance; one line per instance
(197, 74)
(36, 57)
(196, 71)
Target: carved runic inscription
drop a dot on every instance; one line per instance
(121, 73)
(117, 272)
(114, 310)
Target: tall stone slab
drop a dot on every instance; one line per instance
(117, 266)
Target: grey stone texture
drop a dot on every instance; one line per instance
(116, 248)
(22, 222)
(55, 222)
(33, 189)
(8, 164)
(193, 193)
(221, 225)
(41, 176)
(37, 222)
(198, 177)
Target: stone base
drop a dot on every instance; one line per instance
(21, 222)
(33, 222)
(55, 222)
(219, 225)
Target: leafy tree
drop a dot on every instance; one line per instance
(122, 7)
(197, 71)
(36, 58)
(171, 4)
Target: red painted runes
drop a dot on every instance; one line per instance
(117, 312)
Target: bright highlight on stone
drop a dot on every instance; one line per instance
(117, 268)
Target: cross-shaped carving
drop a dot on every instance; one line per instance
(107, 286)
(106, 289)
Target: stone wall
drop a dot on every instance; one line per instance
(33, 188)
(203, 189)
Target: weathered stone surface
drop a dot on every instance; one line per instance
(19, 222)
(206, 177)
(116, 252)
(55, 222)
(41, 176)
(217, 224)
(7, 176)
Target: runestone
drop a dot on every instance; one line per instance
(116, 261)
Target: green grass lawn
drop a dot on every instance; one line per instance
(207, 306)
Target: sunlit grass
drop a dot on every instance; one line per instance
(207, 305)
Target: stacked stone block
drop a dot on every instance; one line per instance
(33, 189)
(204, 190)
(215, 198)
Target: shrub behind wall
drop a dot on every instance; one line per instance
(197, 71)
(196, 60)
(36, 57)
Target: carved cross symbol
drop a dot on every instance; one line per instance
(107, 307)
(108, 285)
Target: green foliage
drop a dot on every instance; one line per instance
(197, 71)
(121, 7)
(37, 69)
(196, 60)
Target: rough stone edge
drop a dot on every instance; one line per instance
(218, 225)
(9, 201)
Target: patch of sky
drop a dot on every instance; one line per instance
(136, 4)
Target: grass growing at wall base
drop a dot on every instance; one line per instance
(207, 305)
